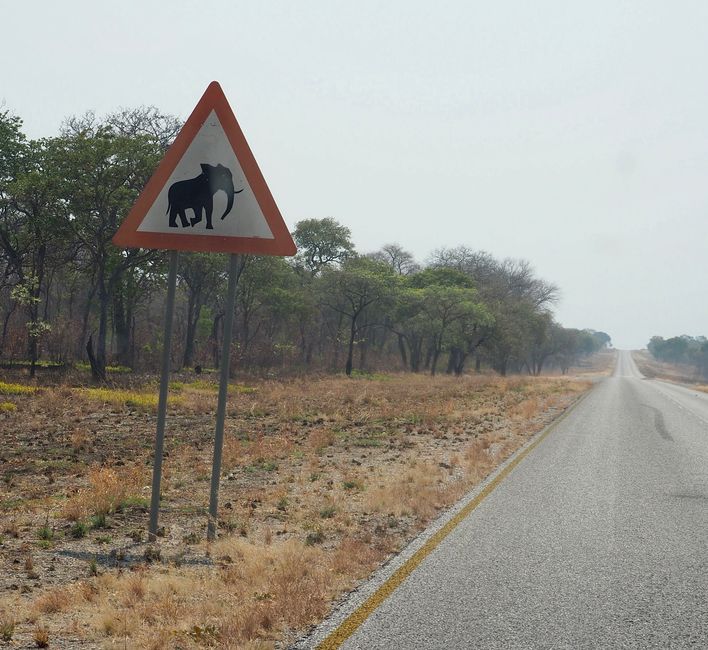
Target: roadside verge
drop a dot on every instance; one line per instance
(359, 604)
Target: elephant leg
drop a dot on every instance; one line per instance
(209, 208)
(197, 216)
(173, 217)
(183, 218)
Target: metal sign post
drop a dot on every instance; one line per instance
(162, 403)
(175, 212)
(223, 394)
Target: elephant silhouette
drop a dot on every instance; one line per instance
(198, 193)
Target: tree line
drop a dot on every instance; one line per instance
(689, 350)
(67, 294)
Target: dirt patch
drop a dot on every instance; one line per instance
(323, 479)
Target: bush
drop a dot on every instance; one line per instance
(78, 530)
(46, 533)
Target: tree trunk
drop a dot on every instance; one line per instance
(98, 368)
(402, 351)
(416, 354)
(215, 339)
(350, 354)
(460, 365)
(5, 323)
(434, 361)
(194, 310)
(85, 320)
(121, 323)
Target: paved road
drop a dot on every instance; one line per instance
(598, 539)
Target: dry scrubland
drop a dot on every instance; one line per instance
(324, 478)
(676, 372)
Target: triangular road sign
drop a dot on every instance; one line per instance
(208, 193)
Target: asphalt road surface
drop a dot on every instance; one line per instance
(598, 539)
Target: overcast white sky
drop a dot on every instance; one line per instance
(573, 134)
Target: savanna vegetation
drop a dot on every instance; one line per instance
(68, 296)
(373, 391)
(686, 350)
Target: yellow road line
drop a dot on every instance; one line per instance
(356, 618)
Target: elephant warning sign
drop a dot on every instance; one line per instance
(208, 193)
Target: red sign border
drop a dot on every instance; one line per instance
(128, 235)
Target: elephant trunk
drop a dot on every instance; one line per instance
(230, 203)
(228, 187)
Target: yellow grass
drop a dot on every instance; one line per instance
(16, 389)
(127, 398)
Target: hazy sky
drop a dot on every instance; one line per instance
(573, 134)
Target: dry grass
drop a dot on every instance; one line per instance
(323, 478)
(40, 636)
(108, 491)
(53, 601)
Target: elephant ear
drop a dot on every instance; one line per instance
(206, 168)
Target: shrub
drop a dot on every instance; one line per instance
(46, 532)
(7, 407)
(315, 537)
(328, 512)
(78, 530)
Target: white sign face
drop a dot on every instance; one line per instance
(195, 199)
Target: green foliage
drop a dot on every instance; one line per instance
(46, 533)
(63, 198)
(98, 521)
(322, 243)
(78, 530)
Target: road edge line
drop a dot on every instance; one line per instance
(351, 623)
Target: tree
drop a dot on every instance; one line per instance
(103, 173)
(321, 243)
(33, 226)
(542, 341)
(360, 283)
(202, 274)
(400, 260)
(268, 302)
